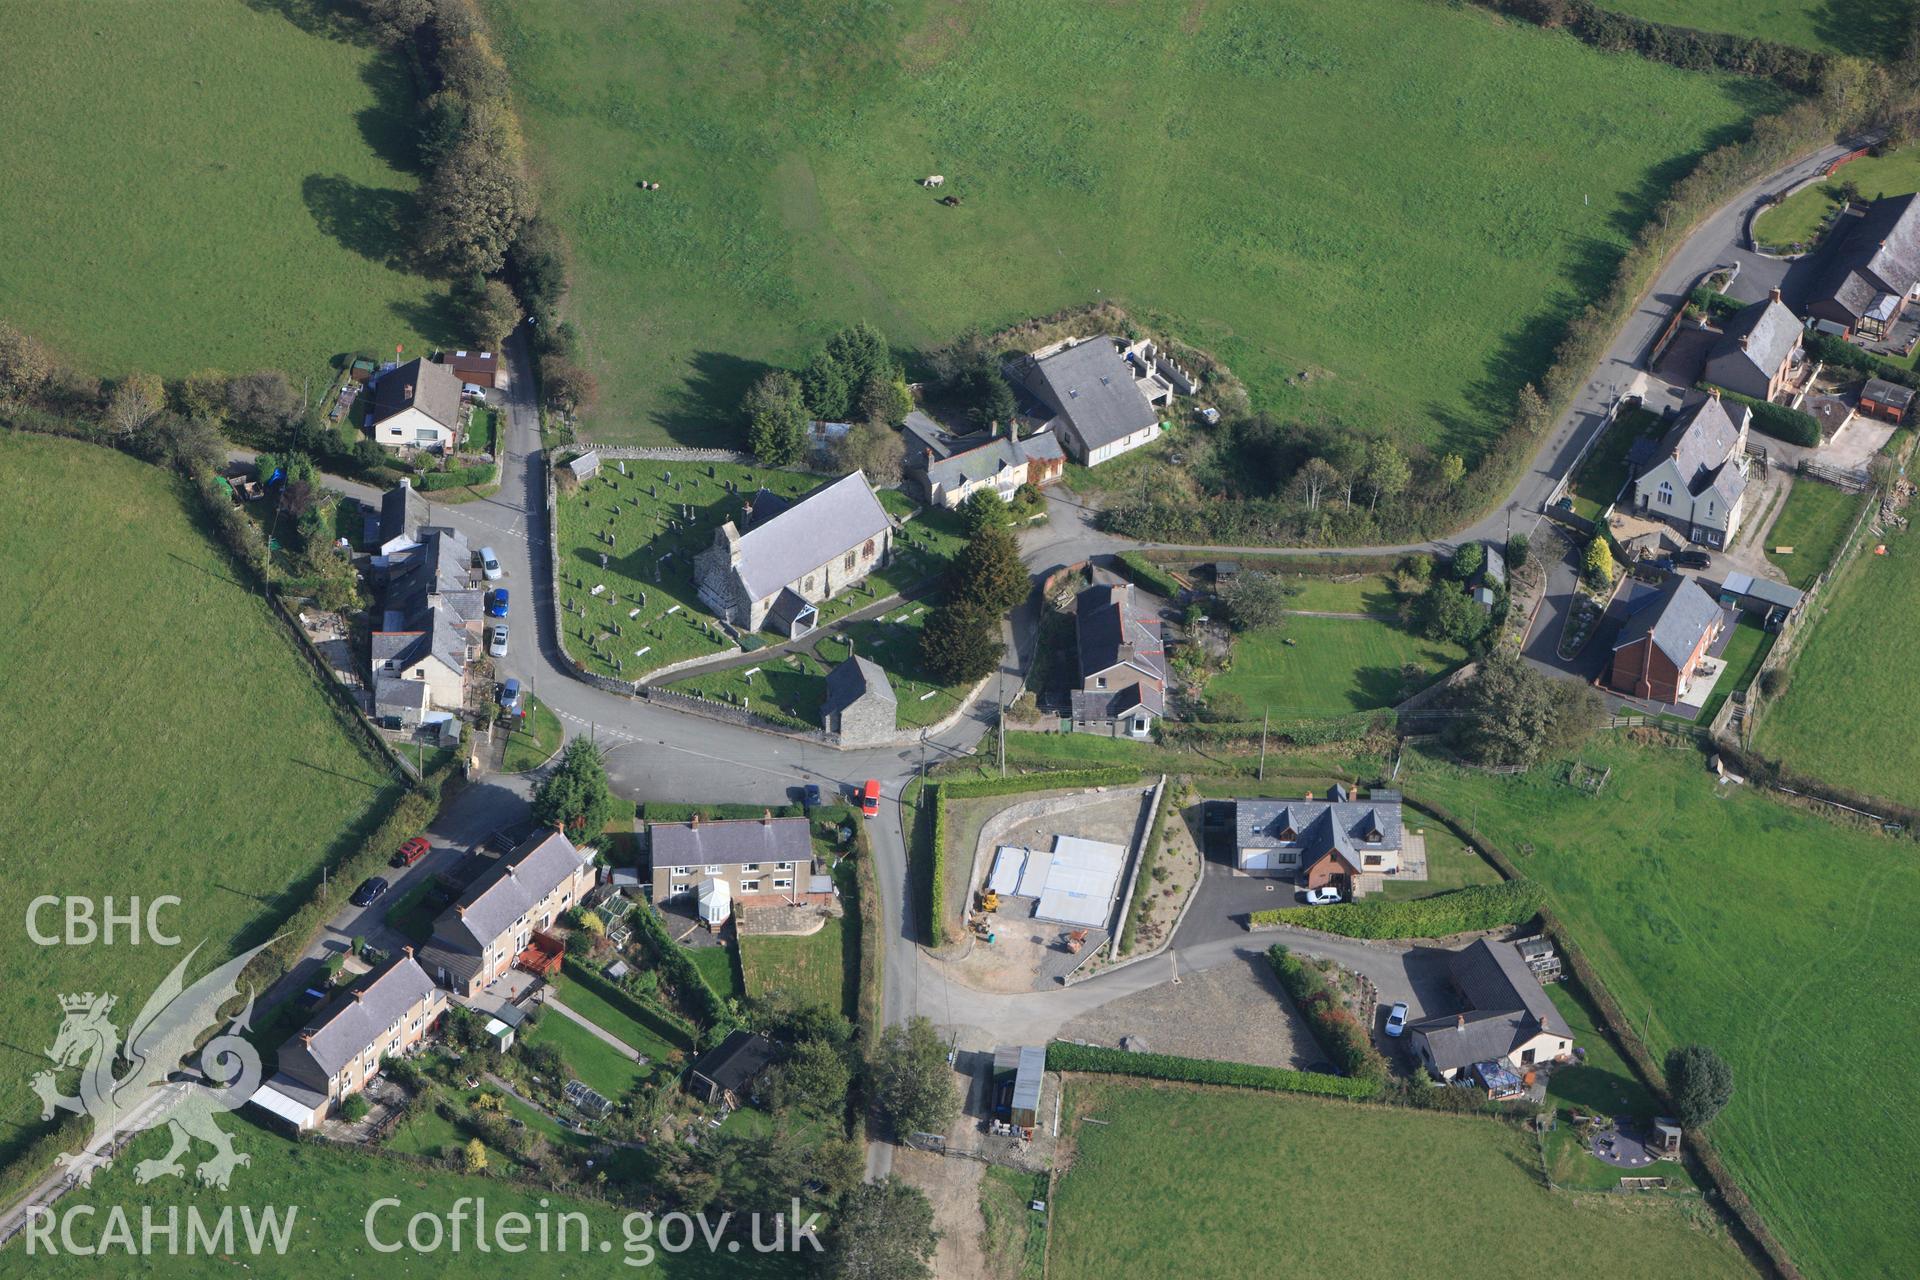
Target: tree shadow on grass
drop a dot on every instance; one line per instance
(705, 410)
(330, 19)
(1864, 28)
(376, 223)
(390, 126)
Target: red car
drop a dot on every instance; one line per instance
(870, 798)
(411, 852)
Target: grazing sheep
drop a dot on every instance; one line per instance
(934, 180)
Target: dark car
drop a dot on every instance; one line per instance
(810, 796)
(497, 603)
(369, 893)
(1693, 560)
(411, 852)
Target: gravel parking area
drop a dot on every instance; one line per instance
(1233, 1012)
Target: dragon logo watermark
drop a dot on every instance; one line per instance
(135, 1084)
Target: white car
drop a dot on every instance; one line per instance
(474, 391)
(497, 642)
(1322, 896)
(1397, 1020)
(490, 565)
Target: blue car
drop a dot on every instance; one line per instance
(811, 796)
(497, 603)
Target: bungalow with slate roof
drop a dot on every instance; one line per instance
(753, 861)
(1508, 1021)
(774, 573)
(1697, 481)
(1105, 399)
(1123, 672)
(1757, 350)
(333, 1057)
(860, 705)
(417, 405)
(477, 939)
(1659, 647)
(1002, 463)
(1341, 841)
(1871, 270)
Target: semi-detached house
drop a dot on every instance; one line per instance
(1697, 481)
(479, 937)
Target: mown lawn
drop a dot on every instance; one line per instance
(1698, 906)
(330, 1191)
(1605, 472)
(649, 593)
(1332, 667)
(1366, 593)
(590, 1058)
(1162, 1181)
(1369, 167)
(533, 739)
(166, 739)
(1744, 653)
(1845, 716)
(1863, 28)
(716, 966)
(1814, 520)
(608, 1018)
(208, 184)
(1451, 864)
(813, 969)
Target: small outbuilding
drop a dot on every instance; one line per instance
(1774, 602)
(860, 705)
(1019, 1076)
(1887, 401)
(586, 466)
(723, 1076)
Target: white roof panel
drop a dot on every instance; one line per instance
(274, 1102)
(1008, 862)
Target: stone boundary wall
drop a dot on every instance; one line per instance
(1125, 903)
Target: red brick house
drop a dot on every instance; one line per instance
(1659, 647)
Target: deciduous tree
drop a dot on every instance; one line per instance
(911, 1079)
(1387, 473)
(884, 1231)
(474, 204)
(872, 447)
(566, 386)
(490, 312)
(1700, 1082)
(1257, 599)
(135, 400)
(25, 365)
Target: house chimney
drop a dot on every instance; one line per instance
(407, 951)
(1746, 340)
(766, 817)
(1773, 295)
(306, 1037)
(359, 996)
(409, 392)
(1460, 1021)
(460, 911)
(1715, 391)
(1309, 795)
(696, 819)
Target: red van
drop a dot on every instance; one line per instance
(870, 798)
(411, 852)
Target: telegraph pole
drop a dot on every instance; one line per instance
(1265, 712)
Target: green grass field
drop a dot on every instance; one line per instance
(1162, 1183)
(167, 739)
(812, 969)
(1745, 651)
(1335, 666)
(1843, 716)
(206, 184)
(604, 1015)
(1814, 520)
(716, 966)
(1357, 165)
(1863, 28)
(1699, 908)
(1799, 218)
(330, 1190)
(650, 564)
(1366, 593)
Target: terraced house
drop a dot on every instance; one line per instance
(388, 1012)
(479, 937)
(790, 557)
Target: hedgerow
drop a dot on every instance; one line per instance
(695, 992)
(1777, 420)
(1340, 1034)
(1065, 1056)
(1476, 907)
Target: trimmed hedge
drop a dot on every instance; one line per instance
(935, 794)
(1831, 350)
(1146, 573)
(973, 788)
(675, 1031)
(871, 939)
(1340, 1034)
(1801, 70)
(1714, 303)
(1468, 910)
(1777, 420)
(706, 1004)
(670, 811)
(457, 478)
(1065, 1056)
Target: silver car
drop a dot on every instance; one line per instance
(490, 565)
(497, 641)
